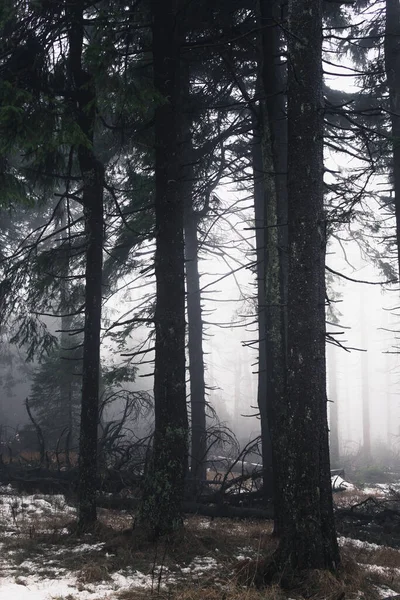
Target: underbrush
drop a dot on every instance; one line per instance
(373, 474)
(215, 559)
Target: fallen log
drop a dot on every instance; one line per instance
(194, 508)
(51, 481)
(338, 473)
(227, 511)
(39, 480)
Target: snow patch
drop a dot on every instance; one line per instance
(358, 544)
(201, 564)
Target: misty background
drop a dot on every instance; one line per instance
(363, 367)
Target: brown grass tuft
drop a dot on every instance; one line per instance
(251, 572)
(94, 572)
(361, 572)
(115, 519)
(318, 583)
(351, 579)
(383, 556)
(135, 594)
(358, 580)
(231, 592)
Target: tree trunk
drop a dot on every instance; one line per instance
(392, 66)
(273, 71)
(198, 425)
(66, 393)
(195, 347)
(307, 530)
(161, 508)
(92, 172)
(274, 170)
(262, 401)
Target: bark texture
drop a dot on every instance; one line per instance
(392, 66)
(66, 391)
(262, 400)
(92, 171)
(195, 349)
(192, 218)
(274, 183)
(161, 509)
(307, 530)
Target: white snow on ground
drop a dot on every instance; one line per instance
(204, 524)
(246, 552)
(380, 488)
(385, 591)
(17, 511)
(34, 588)
(358, 543)
(372, 491)
(41, 577)
(200, 565)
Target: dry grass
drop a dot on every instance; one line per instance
(133, 594)
(228, 534)
(115, 519)
(382, 556)
(220, 539)
(31, 456)
(365, 568)
(351, 580)
(94, 571)
(40, 529)
(230, 592)
(348, 498)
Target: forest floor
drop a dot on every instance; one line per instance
(40, 559)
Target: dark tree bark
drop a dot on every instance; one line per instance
(392, 66)
(273, 73)
(273, 215)
(259, 217)
(195, 348)
(161, 509)
(92, 172)
(307, 530)
(192, 218)
(66, 392)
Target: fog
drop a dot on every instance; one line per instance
(362, 319)
(365, 367)
(370, 371)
